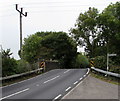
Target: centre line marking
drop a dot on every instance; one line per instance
(66, 71)
(75, 82)
(68, 89)
(88, 71)
(84, 75)
(14, 94)
(80, 78)
(51, 79)
(57, 97)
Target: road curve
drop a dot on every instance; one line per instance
(52, 85)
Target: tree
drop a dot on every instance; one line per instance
(109, 23)
(50, 45)
(6, 54)
(99, 33)
(62, 47)
(82, 61)
(31, 48)
(9, 65)
(85, 31)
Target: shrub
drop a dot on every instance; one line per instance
(114, 69)
(23, 66)
(9, 66)
(100, 62)
(82, 61)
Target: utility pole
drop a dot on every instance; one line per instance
(1, 63)
(21, 14)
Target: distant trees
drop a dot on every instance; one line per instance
(50, 45)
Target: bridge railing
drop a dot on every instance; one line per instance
(106, 72)
(22, 74)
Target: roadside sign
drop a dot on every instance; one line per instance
(112, 54)
(42, 64)
(92, 63)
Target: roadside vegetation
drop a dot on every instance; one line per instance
(50, 45)
(98, 32)
(109, 79)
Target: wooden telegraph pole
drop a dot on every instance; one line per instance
(21, 14)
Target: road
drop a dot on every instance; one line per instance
(51, 85)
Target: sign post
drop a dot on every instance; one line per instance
(108, 55)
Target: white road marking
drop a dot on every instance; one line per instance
(88, 71)
(68, 89)
(80, 78)
(26, 80)
(73, 89)
(52, 79)
(14, 94)
(57, 97)
(75, 82)
(84, 75)
(66, 71)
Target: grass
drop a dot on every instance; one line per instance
(108, 78)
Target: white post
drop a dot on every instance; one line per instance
(107, 63)
(38, 66)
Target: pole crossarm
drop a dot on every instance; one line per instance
(21, 12)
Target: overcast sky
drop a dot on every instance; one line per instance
(43, 15)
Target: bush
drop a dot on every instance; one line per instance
(100, 62)
(23, 66)
(115, 69)
(82, 61)
(9, 66)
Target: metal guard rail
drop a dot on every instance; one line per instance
(22, 74)
(106, 72)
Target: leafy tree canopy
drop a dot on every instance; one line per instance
(99, 32)
(85, 30)
(54, 45)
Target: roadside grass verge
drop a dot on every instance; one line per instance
(109, 79)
